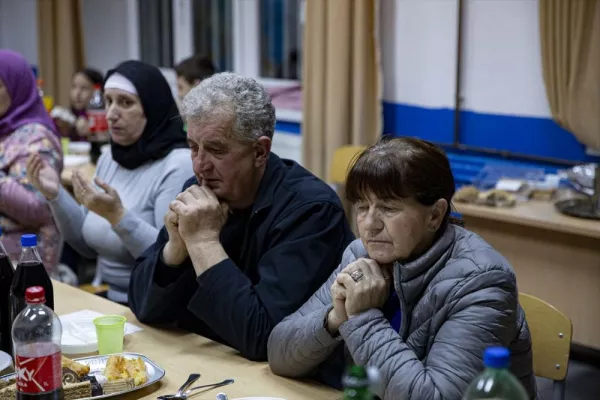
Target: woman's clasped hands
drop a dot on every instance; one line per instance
(362, 285)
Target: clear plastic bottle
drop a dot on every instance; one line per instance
(6, 277)
(496, 381)
(36, 336)
(357, 385)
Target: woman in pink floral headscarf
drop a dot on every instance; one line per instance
(25, 128)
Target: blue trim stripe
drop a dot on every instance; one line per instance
(540, 137)
(433, 124)
(527, 135)
(288, 127)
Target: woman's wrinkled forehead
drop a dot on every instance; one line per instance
(115, 93)
(371, 186)
(370, 197)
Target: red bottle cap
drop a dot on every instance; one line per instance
(35, 295)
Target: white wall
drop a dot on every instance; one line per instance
(106, 33)
(418, 50)
(502, 59)
(501, 70)
(18, 28)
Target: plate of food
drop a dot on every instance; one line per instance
(99, 377)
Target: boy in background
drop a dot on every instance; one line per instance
(191, 72)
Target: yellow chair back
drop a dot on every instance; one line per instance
(343, 158)
(551, 333)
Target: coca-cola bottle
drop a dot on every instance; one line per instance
(36, 338)
(6, 277)
(96, 113)
(30, 271)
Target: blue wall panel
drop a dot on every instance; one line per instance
(540, 137)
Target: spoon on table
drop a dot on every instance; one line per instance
(188, 392)
(211, 385)
(190, 380)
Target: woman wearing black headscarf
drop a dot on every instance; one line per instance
(147, 165)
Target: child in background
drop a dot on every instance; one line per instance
(191, 72)
(72, 123)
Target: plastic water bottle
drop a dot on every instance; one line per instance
(496, 381)
(357, 385)
(36, 336)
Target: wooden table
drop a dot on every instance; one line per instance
(556, 257)
(181, 353)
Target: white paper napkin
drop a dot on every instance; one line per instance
(90, 315)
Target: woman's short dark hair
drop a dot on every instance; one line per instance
(402, 167)
(195, 68)
(92, 75)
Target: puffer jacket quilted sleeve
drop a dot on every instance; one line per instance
(478, 316)
(299, 343)
(469, 303)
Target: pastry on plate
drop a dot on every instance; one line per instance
(119, 367)
(79, 368)
(79, 390)
(116, 368)
(136, 369)
(9, 392)
(6, 383)
(118, 386)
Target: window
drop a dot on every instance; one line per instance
(156, 32)
(281, 28)
(212, 33)
(258, 38)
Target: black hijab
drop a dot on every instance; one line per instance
(164, 128)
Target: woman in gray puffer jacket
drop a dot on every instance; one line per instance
(417, 297)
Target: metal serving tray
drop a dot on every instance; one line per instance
(98, 363)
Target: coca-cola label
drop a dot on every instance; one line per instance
(39, 374)
(97, 121)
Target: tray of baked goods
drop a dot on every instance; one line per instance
(98, 377)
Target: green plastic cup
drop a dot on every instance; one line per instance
(65, 142)
(110, 330)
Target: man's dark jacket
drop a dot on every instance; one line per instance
(281, 251)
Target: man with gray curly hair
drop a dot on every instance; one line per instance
(250, 237)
